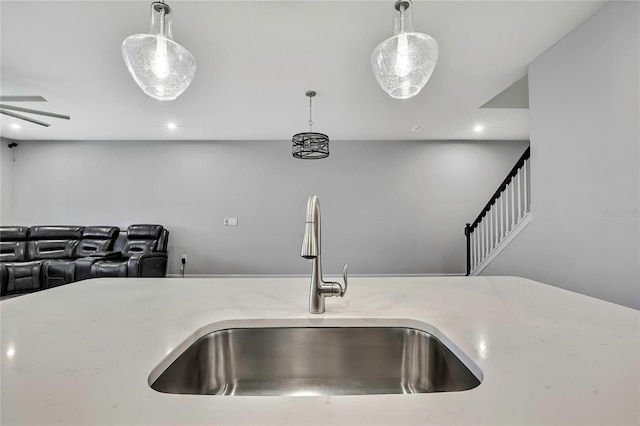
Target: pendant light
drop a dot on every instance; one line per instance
(162, 68)
(404, 63)
(310, 145)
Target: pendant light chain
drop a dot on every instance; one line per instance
(310, 120)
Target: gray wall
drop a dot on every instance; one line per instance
(394, 207)
(585, 166)
(6, 182)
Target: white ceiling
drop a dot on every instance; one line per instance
(256, 59)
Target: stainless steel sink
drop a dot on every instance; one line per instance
(316, 361)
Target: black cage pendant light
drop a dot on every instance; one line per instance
(310, 145)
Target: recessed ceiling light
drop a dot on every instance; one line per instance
(417, 128)
(479, 128)
(172, 126)
(16, 126)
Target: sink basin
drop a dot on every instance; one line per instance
(351, 360)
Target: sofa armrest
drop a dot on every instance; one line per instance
(84, 264)
(106, 255)
(147, 265)
(83, 267)
(4, 279)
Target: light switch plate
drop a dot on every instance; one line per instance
(231, 221)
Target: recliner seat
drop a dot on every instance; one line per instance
(13, 251)
(94, 239)
(143, 255)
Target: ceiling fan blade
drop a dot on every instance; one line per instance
(22, 99)
(34, 111)
(22, 117)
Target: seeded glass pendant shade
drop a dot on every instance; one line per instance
(162, 68)
(404, 63)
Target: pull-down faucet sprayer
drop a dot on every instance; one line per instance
(311, 247)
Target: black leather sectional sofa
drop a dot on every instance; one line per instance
(40, 257)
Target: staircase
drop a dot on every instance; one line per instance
(506, 214)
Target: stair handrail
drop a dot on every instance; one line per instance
(514, 171)
(471, 226)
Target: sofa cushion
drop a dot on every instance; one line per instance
(23, 276)
(144, 232)
(101, 232)
(13, 251)
(13, 246)
(88, 247)
(58, 272)
(55, 232)
(53, 242)
(109, 269)
(141, 239)
(97, 239)
(134, 248)
(52, 249)
(14, 233)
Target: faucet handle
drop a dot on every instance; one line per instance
(344, 277)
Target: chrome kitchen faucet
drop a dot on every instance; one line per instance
(311, 250)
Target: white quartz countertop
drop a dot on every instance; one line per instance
(82, 353)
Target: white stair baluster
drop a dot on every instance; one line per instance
(526, 186)
(485, 249)
(507, 218)
(477, 250)
(476, 246)
(505, 210)
(497, 217)
(513, 203)
(488, 221)
(502, 221)
(490, 229)
(495, 224)
(519, 189)
(472, 250)
(470, 237)
(481, 234)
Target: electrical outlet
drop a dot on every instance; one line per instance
(231, 221)
(184, 258)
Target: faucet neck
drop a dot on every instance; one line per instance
(313, 208)
(313, 216)
(311, 245)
